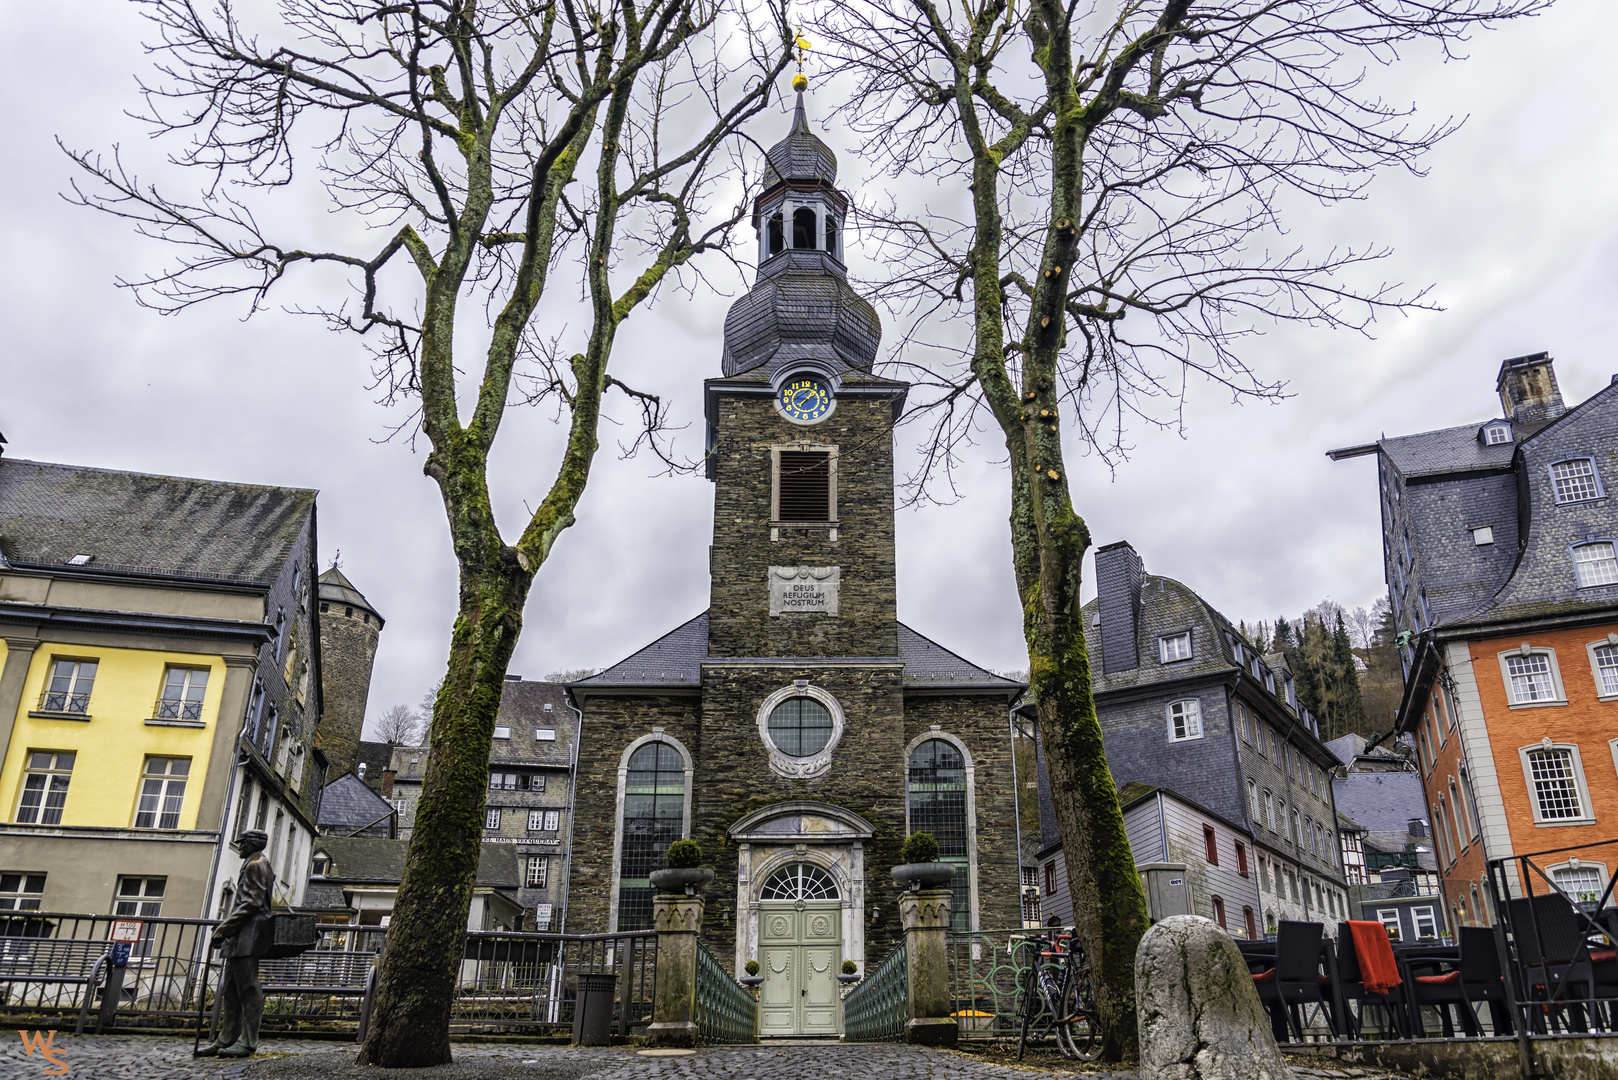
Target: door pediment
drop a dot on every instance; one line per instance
(801, 821)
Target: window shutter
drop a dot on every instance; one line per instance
(805, 486)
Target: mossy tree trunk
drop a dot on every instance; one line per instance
(469, 123)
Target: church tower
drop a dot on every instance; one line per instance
(800, 444)
(349, 629)
(796, 729)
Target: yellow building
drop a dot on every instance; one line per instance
(159, 687)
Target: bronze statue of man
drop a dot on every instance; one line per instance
(241, 939)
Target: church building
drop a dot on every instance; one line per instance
(796, 729)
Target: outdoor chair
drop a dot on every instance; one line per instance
(1475, 978)
(1549, 934)
(1351, 984)
(1295, 980)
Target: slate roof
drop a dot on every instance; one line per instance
(347, 803)
(1383, 804)
(675, 660)
(324, 895)
(363, 859)
(1448, 450)
(376, 756)
(138, 522)
(800, 308)
(335, 588)
(801, 155)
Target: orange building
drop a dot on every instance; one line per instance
(1499, 540)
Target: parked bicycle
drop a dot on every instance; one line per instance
(1058, 991)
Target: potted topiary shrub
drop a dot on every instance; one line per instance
(921, 868)
(752, 978)
(684, 872)
(849, 974)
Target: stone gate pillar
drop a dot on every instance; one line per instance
(926, 916)
(677, 920)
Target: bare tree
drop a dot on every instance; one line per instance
(399, 725)
(1123, 170)
(457, 131)
(571, 675)
(1362, 626)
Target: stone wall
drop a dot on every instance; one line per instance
(743, 552)
(347, 651)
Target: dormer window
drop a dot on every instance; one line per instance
(1175, 647)
(1495, 434)
(803, 227)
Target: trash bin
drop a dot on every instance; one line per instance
(592, 1010)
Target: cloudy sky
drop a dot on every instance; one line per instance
(1516, 227)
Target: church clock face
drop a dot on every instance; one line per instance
(805, 399)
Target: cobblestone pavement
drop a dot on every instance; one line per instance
(134, 1057)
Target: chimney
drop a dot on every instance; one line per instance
(1528, 390)
(360, 770)
(1119, 573)
(387, 783)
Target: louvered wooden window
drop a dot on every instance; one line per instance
(805, 486)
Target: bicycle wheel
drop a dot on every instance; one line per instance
(1077, 1032)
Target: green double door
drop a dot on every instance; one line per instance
(800, 951)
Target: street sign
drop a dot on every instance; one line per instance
(126, 930)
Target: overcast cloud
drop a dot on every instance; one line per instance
(1516, 227)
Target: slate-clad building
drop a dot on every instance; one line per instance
(796, 728)
(1187, 708)
(1499, 542)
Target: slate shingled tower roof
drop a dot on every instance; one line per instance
(801, 307)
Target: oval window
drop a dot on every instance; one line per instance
(800, 727)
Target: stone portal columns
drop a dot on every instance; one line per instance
(926, 916)
(678, 920)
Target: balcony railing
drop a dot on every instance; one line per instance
(174, 709)
(64, 701)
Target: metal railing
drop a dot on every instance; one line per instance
(158, 987)
(986, 974)
(1558, 940)
(509, 982)
(528, 982)
(876, 1009)
(725, 1012)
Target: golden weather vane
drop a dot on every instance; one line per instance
(800, 81)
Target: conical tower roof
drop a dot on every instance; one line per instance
(801, 155)
(335, 588)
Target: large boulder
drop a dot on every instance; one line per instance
(1200, 1017)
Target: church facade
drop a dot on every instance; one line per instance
(796, 729)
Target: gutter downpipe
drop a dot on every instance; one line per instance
(572, 803)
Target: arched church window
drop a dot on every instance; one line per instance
(803, 227)
(937, 805)
(799, 881)
(777, 234)
(654, 816)
(831, 234)
(800, 727)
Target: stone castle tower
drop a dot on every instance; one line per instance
(349, 627)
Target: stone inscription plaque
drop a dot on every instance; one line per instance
(804, 589)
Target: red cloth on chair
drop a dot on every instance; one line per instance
(1601, 956)
(1265, 976)
(1378, 971)
(1449, 978)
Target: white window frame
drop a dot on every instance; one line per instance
(165, 781)
(491, 818)
(1382, 916)
(1164, 649)
(1491, 430)
(1595, 541)
(1600, 870)
(531, 880)
(1586, 811)
(1416, 921)
(1526, 650)
(1195, 714)
(1252, 801)
(1595, 477)
(1608, 642)
(800, 768)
